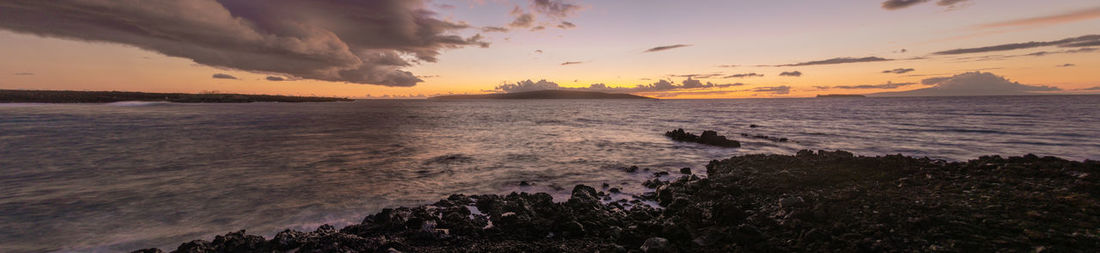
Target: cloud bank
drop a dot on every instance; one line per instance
(365, 42)
(791, 73)
(972, 84)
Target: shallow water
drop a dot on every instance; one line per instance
(124, 176)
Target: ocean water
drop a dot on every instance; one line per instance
(123, 176)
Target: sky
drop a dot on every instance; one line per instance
(664, 49)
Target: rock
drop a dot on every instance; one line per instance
(631, 169)
(524, 183)
(150, 250)
(584, 194)
(685, 170)
(656, 245)
(753, 126)
(614, 190)
(708, 138)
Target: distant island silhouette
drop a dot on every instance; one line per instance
(65, 96)
(546, 94)
(840, 96)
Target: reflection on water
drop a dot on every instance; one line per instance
(133, 175)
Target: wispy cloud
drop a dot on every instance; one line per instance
(566, 25)
(659, 86)
(663, 48)
(571, 63)
(223, 76)
(791, 73)
(839, 60)
(899, 4)
(1081, 41)
(744, 75)
(898, 71)
(1067, 17)
(24, 74)
(778, 90)
(494, 29)
(275, 79)
(1066, 65)
(888, 85)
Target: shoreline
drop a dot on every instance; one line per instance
(823, 201)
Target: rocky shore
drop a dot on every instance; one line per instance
(811, 201)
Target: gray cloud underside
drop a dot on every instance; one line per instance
(275, 78)
(223, 76)
(494, 29)
(972, 84)
(839, 60)
(366, 42)
(663, 48)
(659, 86)
(555, 8)
(1082, 41)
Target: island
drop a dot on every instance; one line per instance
(840, 96)
(66, 96)
(546, 94)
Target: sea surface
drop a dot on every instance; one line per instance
(124, 176)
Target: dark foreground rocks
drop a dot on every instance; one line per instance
(823, 201)
(708, 138)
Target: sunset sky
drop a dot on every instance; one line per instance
(413, 48)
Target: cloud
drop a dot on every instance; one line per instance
(1081, 41)
(365, 42)
(523, 19)
(791, 73)
(1067, 65)
(839, 60)
(445, 6)
(1092, 88)
(972, 84)
(538, 51)
(223, 76)
(275, 78)
(898, 71)
(24, 74)
(663, 48)
(659, 86)
(728, 66)
(711, 75)
(571, 63)
(538, 28)
(778, 90)
(555, 8)
(899, 4)
(566, 25)
(494, 29)
(743, 75)
(887, 85)
(1060, 18)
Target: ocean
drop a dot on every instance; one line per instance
(123, 176)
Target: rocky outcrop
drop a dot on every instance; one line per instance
(812, 201)
(708, 138)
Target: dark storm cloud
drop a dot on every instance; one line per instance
(778, 90)
(566, 25)
(555, 8)
(898, 71)
(659, 86)
(361, 42)
(571, 63)
(223, 76)
(275, 78)
(494, 29)
(744, 75)
(888, 85)
(839, 60)
(791, 73)
(663, 48)
(1082, 41)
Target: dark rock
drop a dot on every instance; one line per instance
(524, 183)
(708, 138)
(614, 190)
(656, 245)
(152, 250)
(685, 170)
(631, 169)
(753, 126)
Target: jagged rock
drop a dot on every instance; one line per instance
(656, 245)
(708, 138)
(685, 170)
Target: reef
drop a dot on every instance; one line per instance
(812, 201)
(707, 138)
